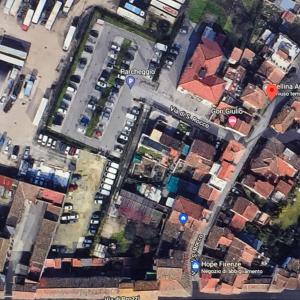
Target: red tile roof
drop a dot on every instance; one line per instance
(245, 208)
(236, 54)
(207, 57)
(248, 55)
(233, 152)
(209, 193)
(283, 187)
(238, 222)
(226, 171)
(272, 73)
(242, 127)
(254, 97)
(288, 16)
(54, 197)
(6, 182)
(190, 208)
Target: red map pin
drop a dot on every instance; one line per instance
(272, 91)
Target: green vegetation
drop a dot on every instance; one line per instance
(146, 151)
(199, 8)
(228, 27)
(122, 243)
(289, 214)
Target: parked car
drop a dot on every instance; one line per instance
(121, 76)
(82, 62)
(184, 30)
(93, 229)
(104, 75)
(26, 152)
(54, 143)
(75, 78)
(40, 138)
(67, 150)
(122, 139)
(88, 49)
(91, 40)
(67, 97)
(135, 111)
(94, 33)
(68, 207)
(115, 47)
(49, 142)
(95, 221)
(44, 140)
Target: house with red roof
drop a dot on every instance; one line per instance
(199, 77)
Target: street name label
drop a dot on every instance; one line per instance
(188, 116)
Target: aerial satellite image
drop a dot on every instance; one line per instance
(150, 149)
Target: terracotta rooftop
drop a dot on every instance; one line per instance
(233, 152)
(207, 283)
(236, 55)
(202, 150)
(238, 222)
(296, 107)
(52, 196)
(284, 120)
(248, 55)
(242, 127)
(263, 188)
(245, 208)
(254, 97)
(209, 193)
(283, 187)
(190, 208)
(226, 171)
(271, 72)
(219, 236)
(199, 76)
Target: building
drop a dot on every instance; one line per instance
(284, 52)
(284, 120)
(270, 72)
(200, 77)
(254, 98)
(235, 56)
(263, 189)
(234, 152)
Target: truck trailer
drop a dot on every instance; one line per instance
(53, 15)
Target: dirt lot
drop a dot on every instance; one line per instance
(90, 167)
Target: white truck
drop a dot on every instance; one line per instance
(106, 186)
(15, 7)
(53, 15)
(38, 11)
(69, 38)
(7, 7)
(27, 19)
(67, 6)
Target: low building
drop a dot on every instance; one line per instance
(235, 56)
(263, 189)
(271, 72)
(284, 120)
(254, 98)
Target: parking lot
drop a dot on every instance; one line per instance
(123, 100)
(90, 168)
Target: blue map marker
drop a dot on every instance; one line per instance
(195, 266)
(183, 218)
(130, 81)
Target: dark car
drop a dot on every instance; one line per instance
(104, 75)
(82, 62)
(94, 33)
(93, 229)
(114, 90)
(88, 49)
(15, 151)
(58, 119)
(67, 97)
(128, 56)
(124, 66)
(75, 78)
(119, 81)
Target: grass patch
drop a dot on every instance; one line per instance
(149, 153)
(228, 27)
(122, 243)
(199, 8)
(289, 214)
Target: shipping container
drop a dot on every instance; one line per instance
(167, 9)
(171, 3)
(130, 16)
(53, 15)
(67, 6)
(7, 7)
(69, 38)
(27, 19)
(38, 11)
(15, 7)
(14, 52)
(136, 10)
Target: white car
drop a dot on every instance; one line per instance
(44, 140)
(49, 142)
(115, 47)
(53, 146)
(113, 55)
(63, 111)
(121, 76)
(127, 128)
(76, 155)
(102, 84)
(40, 138)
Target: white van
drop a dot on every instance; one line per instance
(106, 186)
(111, 170)
(110, 176)
(114, 165)
(104, 192)
(108, 181)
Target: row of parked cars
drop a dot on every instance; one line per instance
(131, 118)
(51, 143)
(68, 215)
